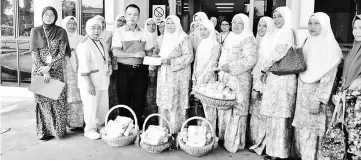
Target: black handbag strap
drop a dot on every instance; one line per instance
(336, 113)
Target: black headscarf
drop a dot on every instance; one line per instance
(53, 32)
(352, 64)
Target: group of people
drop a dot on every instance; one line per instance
(281, 115)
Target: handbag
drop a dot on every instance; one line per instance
(334, 141)
(292, 63)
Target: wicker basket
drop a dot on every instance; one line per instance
(157, 148)
(121, 140)
(199, 151)
(223, 104)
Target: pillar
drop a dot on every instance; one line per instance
(301, 12)
(251, 13)
(39, 5)
(172, 7)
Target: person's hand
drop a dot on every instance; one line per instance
(110, 70)
(92, 89)
(335, 99)
(166, 61)
(140, 54)
(47, 77)
(194, 82)
(263, 78)
(225, 68)
(315, 108)
(155, 51)
(256, 94)
(44, 69)
(156, 56)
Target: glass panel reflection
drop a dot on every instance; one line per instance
(25, 62)
(8, 62)
(7, 17)
(90, 8)
(26, 17)
(69, 8)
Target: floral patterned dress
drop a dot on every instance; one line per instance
(51, 114)
(278, 103)
(353, 120)
(173, 93)
(232, 123)
(310, 129)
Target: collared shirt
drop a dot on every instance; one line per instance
(132, 39)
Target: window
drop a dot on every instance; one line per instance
(90, 8)
(17, 20)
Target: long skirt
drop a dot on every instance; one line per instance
(175, 116)
(75, 114)
(51, 116)
(256, 121)
(308, 145)
(232, 129)
(276, 138)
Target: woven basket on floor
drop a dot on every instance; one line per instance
(199, 151)
(121, 140)
(223, 104)
(161, 147)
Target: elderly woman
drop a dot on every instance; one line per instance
(93, 78)
(236, 62)
(174, 74)
(161, 29)
(206, 59)
(49, 45)
(195, 36)
(265, 33)
(279, 93)
(313, 106)
(75, 106)
(107, 35)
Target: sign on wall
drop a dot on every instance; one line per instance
(158, 12)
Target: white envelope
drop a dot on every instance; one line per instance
(148, 60)
(52, 89)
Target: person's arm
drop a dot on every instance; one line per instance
(186, 57)
(248, 60)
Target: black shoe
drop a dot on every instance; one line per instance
(251, 150)
(46, 138)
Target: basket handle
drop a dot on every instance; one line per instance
(121, 106)
(156, 114)
(199, 118)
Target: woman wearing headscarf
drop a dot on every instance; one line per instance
(279, 93)
(161, 29)
(119, 21)
(236, 62)
(195, 36)
(150, 26)
(265, 34)
(107, 35)
(49, 45)
(75, 117)
(93, 78)
(351, 85)
(313, 106)
(206, 59)
(174, 74)
(191, 28)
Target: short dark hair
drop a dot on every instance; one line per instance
(132, 6)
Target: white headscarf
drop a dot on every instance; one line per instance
(91, 22)
(280, 37)
(116, 21)
(204, 51)
(152, 36)
(264, 47)
(233, 38)
(322, 52)
(202, 15)
(171, 41)
(74, 38)
(160, 37)
(106, 34)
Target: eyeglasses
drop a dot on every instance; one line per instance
(237, 23)
(74, 24)
(124, 21)
(49, 15)
(224, 24)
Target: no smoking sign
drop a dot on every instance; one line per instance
(158, 13)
